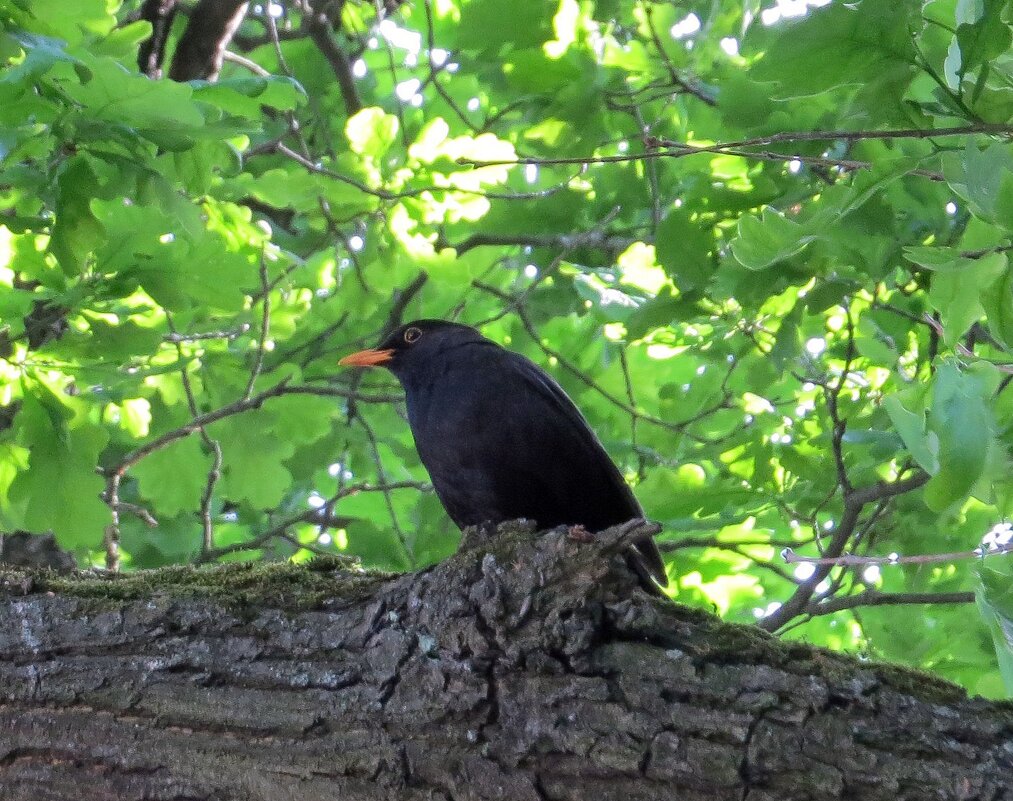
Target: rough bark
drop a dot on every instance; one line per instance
(523, 668)
(160, 13)
(201, 48)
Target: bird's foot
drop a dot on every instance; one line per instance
(578, 533)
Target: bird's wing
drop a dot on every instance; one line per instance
(608, 499)
(578, 432)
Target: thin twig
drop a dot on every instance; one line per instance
(238, 407)
(673, 74)
(977, 254)
(435, 70)
(589, 239)
(632, 398)
(246, 63)
(207, 520)
(111, 534)
(272, 29)
(381, 474)
(936, 325)
(265, 327)
(832, 395)
(852, 560)
(392, 69)
(138, 511)
(680, 149)
(234, 333)
(383, 194)
(311, 515)
(395, 317)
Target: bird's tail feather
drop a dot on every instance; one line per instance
(645, 560)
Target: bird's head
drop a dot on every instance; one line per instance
(414, 344)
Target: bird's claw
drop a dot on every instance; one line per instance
(578, 533)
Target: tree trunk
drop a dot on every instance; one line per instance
(522, 668)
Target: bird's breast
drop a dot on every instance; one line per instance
(452, 417)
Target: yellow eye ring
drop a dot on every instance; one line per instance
(412, 335)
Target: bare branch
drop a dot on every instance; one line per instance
(435, 70)
(320, 29)
(160, 13)
(247, 63)
(565, 363)
(590, 239)
(111, 533)
(877, 598)
(977, 254)
(854, 502)
(996, 129)
(381, 474)
(401, 300)
(937, 327)
(138, 511)
(832, 395)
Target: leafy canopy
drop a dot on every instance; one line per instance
(766, 252)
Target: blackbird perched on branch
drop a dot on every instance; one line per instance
(502, 440)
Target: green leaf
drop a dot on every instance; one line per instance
(172, 479)
(60, 489)
(763, 242)
(248, 95)
(984, 39)
(683, 249)
(371, 132)
(922, 445)
(177, 270)
(994, 596)
(997, 301)
(842, 44)
(254, 452)
(961, 420)
(377, 546)
(118, 343)
(956, 292)
(978, 175)
(485, 27)
(76, 232)
(122, 42)
(75, 21)
(41, 53)
(110, 92)
(788, 343)
(136, 208)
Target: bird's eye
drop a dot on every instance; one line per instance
(412, 335)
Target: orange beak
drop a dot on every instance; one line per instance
(367, 358)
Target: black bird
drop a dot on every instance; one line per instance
(501, 439)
